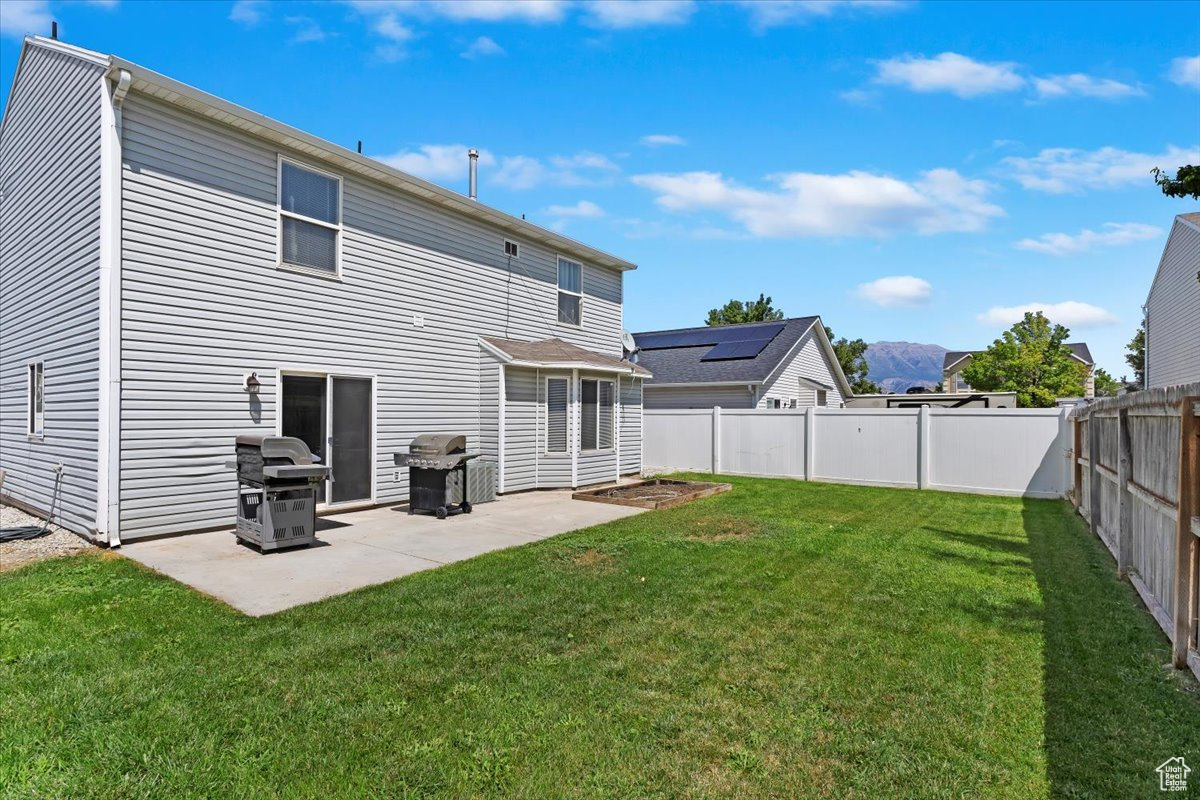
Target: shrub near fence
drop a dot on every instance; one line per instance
(1137, 483)
(1021, 452)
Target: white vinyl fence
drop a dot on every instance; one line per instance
(1003, 451)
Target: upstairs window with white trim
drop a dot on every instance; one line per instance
(556, 415)
(36, 416)
(595, 415)
(512, 249)
(570, 292)
(310, 218)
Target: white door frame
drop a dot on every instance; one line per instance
(328, 374)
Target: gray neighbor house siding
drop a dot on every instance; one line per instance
(49, 280)
(1173, 309)
(204, 302)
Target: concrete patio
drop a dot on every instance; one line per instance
(361, 548)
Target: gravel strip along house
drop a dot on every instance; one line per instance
(178, 270)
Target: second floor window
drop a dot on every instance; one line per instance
(310, 218)
(570, 292)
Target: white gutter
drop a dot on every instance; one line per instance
(108, 457)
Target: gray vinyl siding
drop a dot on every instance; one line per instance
(699, 396)
(810, 361)
(1173, 312)
(489, 406)
(554, 469)
(49, 281)
(204, 304)
(521, 418)
(630, 425)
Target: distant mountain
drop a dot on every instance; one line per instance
(896, 366)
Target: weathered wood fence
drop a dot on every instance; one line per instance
(1137, 483)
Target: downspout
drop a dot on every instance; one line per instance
(108, 458)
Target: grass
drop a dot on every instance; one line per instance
(784, 639)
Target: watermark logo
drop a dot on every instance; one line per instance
(1172, 775)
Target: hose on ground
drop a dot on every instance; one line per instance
(24, 532)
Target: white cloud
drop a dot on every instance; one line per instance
(619, 14)
(1113, 235)
(21, 17)
(773, 13)
(584, 209)
(896, 291)
(307, 30)
(1185, 71)
(949, 72)
(248, 12)
(535, 11)
(584, 160)
(1056, 86)
(662, 139)
(1060, 170)
(853, 204)
(521, 172)
(1070, 313)
(481, 47)
(389, 27)
(436, 162)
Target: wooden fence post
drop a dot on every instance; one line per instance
(1124, 498)
(716, 440)
(1187, 502)
(1094, 506)
(1077, 468)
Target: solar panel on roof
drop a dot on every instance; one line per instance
(730, 350)
(700, 337)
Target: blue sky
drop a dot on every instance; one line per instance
(913, 171)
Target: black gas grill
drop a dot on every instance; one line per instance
(431, 459)
(277, 491)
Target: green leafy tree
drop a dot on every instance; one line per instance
(737, 311)
(1135, 355)
(1107, 385)
(1031, 359)
(1186, 182)
(851, 354)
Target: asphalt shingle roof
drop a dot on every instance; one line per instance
(683, 364)
(1079, 349)
(556, 351)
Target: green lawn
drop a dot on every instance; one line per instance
(782, 640)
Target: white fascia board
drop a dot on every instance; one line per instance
(701, 384)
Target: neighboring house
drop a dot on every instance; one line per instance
(785, 364)
(1173, 309)
(176, 270)
(956, 361)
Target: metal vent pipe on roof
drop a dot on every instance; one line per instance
(473, 189)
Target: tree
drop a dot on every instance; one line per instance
(1135, 355)
(1186, 182)
(1107, 385)
(851, 354)
(736, 311)
(1031, 359)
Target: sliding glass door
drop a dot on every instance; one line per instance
(332, 414)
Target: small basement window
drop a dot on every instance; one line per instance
(556, 415)
(570, 292)
(595, 415)
(310, 218)
(36, 405)
(512, 249)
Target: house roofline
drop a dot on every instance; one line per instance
(166, 89)
(1179, 220)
